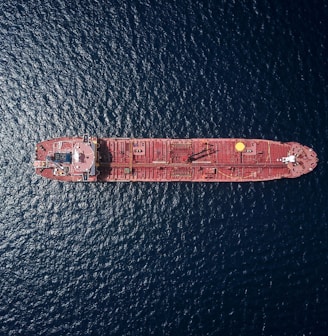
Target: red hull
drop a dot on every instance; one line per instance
(93, 159)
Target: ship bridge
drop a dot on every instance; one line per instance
(68, 158)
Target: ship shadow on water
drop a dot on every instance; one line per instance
(104, 158)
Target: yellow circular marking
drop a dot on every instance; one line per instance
(240, 146)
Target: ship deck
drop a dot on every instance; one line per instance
(191, 160)
(91, 159)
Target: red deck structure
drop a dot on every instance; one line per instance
(92, 159)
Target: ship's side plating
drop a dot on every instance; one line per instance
(218, 160)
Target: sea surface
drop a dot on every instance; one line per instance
(162, 258)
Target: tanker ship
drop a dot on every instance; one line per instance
(91, 159)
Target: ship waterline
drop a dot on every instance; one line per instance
(92, 159)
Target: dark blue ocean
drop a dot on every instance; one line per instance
(162, 258)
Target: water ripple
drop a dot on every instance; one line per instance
(147, 258)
